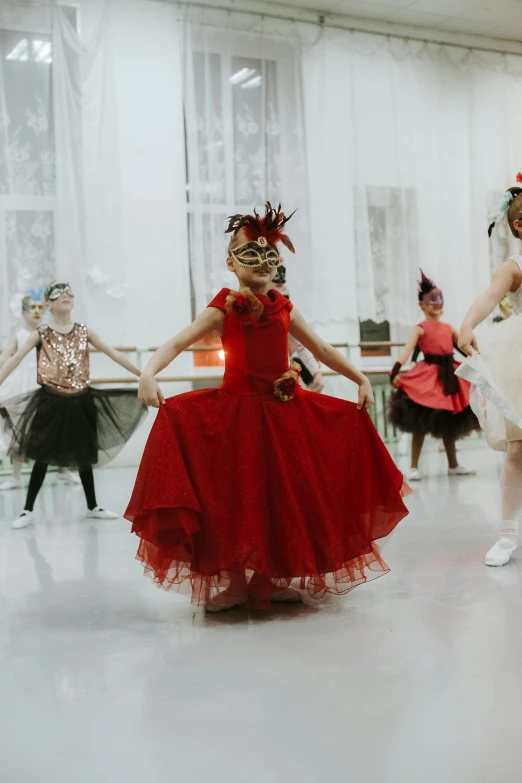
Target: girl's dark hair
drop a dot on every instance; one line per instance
(515, 210)
(425, 285)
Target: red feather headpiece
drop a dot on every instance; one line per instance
(253, 227)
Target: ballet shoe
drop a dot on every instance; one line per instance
(460, 470)
(101, 513)
(213, 608)
(10, 483)
(286, 596)
(501, 553)
(68, 477)
(25, 519)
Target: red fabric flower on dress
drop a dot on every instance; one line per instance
(285, 386)
(245, 305)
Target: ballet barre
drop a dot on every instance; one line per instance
(218, 347)
(215, 377)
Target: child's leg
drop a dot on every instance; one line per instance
(451, 452)
(18, 463)
(87, 479)
(35, 484)
(95, 512)
(14, 481)
(511, 487)
(417, 442)
(512, 481)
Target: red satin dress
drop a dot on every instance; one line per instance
(235, 481)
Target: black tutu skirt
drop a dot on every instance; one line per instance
(76, 431)
(408, 416)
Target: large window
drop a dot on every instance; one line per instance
(234, 161)
(390, 223)
(233, 158)
(27, 171)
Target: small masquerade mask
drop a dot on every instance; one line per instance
(33, 300)
(257, 254)
(56, 290)
(433, 298)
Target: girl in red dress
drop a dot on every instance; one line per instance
(430, 399)
(248, 488)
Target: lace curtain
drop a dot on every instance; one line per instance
(244, 133)
(27, 167)
(409, 147)
(59, 182)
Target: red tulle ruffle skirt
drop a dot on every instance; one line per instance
(248, 494)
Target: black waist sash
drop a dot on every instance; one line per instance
(446, 371)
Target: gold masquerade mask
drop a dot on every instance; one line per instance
(257, 254)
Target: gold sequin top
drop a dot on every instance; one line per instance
(63, 359)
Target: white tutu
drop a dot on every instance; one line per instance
(21, 381)
(496, 377)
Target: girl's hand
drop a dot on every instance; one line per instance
(467, 341)
(396, 382)
(317, 384)
(365, 395)
(149, 391)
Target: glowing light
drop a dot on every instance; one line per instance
(42, 51)
(255, 82)
(38, 51)
(20, 51)
(240, 76)
(221, 355)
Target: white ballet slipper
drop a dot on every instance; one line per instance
(25, 519)
(10, 483)
(286, 596)
(101, 513)
(501, 553)
(460, 470)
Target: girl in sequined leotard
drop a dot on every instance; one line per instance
(66, 422)
(494, 368)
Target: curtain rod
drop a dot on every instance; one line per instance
(323, 22)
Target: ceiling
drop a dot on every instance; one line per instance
(500, 19)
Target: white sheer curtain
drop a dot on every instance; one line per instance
(59, 179)
(245, 144)
(27, 161)
(409, 146)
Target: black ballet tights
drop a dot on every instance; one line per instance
(37, 479)
(87, 479)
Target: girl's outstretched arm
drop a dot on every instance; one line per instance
(10, 349)
(114, 354)
(331, 357)
(12, 363)
(415, 335)
(149, 392)
(506, 278)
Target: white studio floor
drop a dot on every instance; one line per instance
(414, 678)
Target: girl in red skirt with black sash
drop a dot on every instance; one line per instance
(254, 489)
(430, 399)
